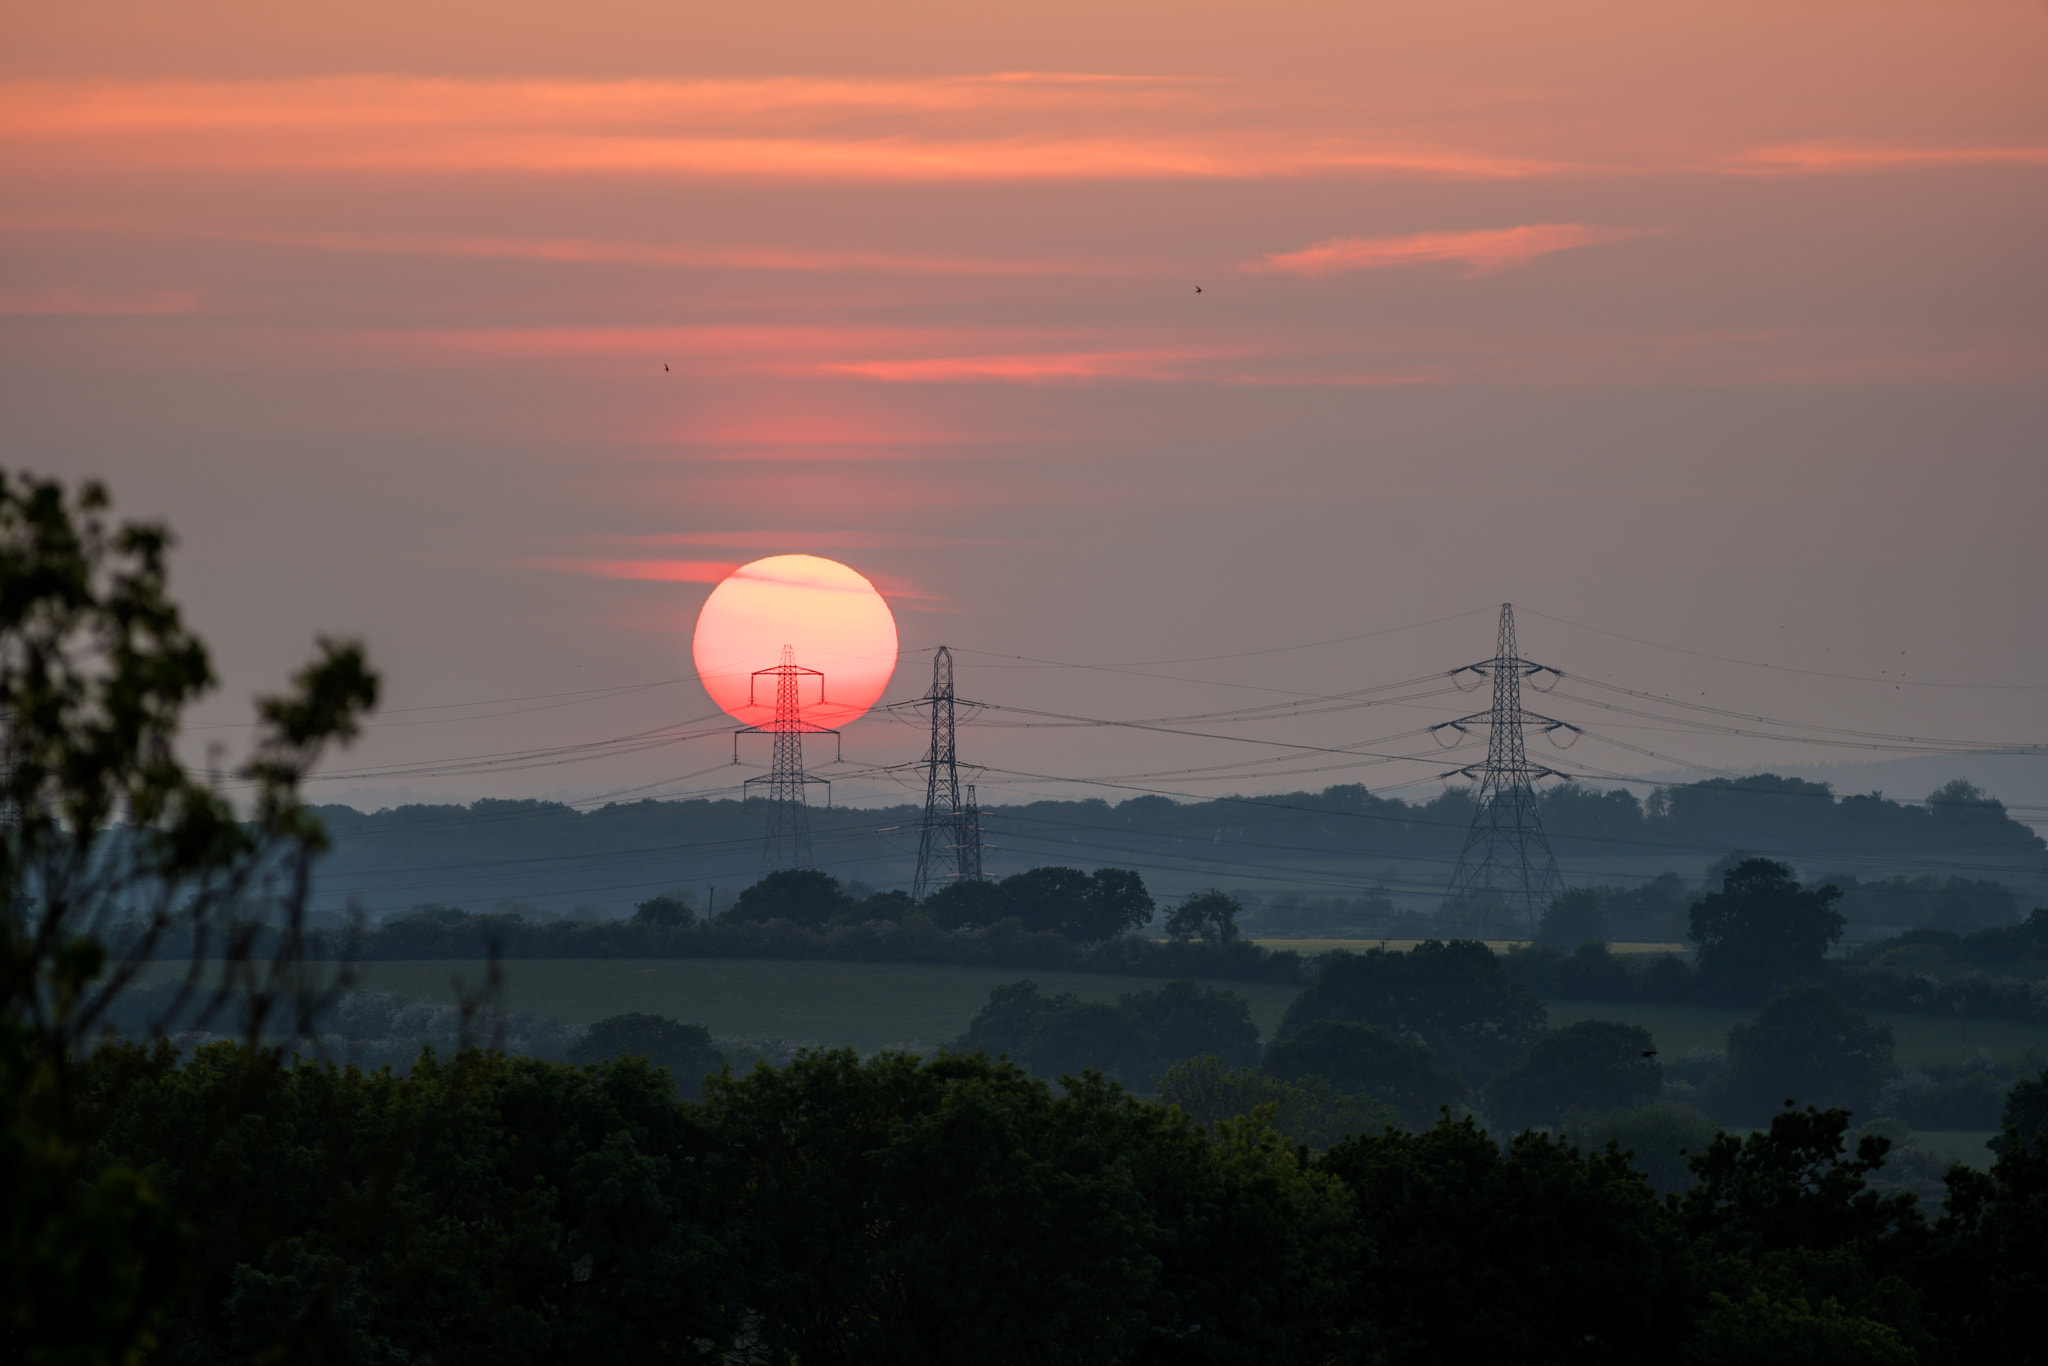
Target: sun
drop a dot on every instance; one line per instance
(828, 614)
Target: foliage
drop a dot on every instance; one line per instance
(1077, 906)
(1590, 1065)
(1656, 1140)
(1577, 917)
(956, 1210)
(1308, 1111)
(1454, 996)
(668, 912)
(1059, 1036)
(683, 1051)
(1762, 929)
(971, 904)
(1185, 1019)
(1805, 1045)
(2025, 1119)
(1366, 1060)
(488, 1209)
(109, 838)
(801, 896)
(1468, 1251)
(1209, 916)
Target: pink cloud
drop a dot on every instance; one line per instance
(88, 302)
(1027, 368)
(971, 128)
(1482, 251)
(1840, 158)
(657, 571)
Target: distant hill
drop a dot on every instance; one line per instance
(1341, 841)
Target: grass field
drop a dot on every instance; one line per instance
(1917, 1039)
(866, 1005)
(869, 1005)
(1315, 946)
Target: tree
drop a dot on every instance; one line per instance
(1048, 898)
(1209, 916)
(685, 1051)
(1578, 917)
(2026, 1116)
(1185, 1019)
(1076, 905)
(1805, 1045)
(666, 912)
(971, 903)
(1366, 1060)
(1469, 1250)
(1762, 929)
(1058, 1036)
(111, 851)
(1117, 903)
(802, 896)
(1308, 1110)
(958, 1210)
(1591, 1065)
(1454, 997)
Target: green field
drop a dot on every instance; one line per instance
(866, 1005)
(1917, 1039)
(870, 1005)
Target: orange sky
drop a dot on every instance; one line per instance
(1723, 324)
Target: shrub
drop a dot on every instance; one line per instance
(1805, 1045)
(1591, 1065)
(1362, 1059)
(685, 1050)
(1578, 917)
(1185, 1019)
(1455, 997)
(802, 896)
(1309, 1111)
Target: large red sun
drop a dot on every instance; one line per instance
(831, 617)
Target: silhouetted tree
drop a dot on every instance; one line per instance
(802, 896)
(683, 1049)
(1805, 1045)
(664, 913)
(1577, 917)
(1762, 929)
(1591, 1065)
(1366, 1060)
(1453, 996)
(1185, 1019)
(1209, 916)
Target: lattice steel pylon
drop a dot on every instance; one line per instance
(788, 844)
(949, 840)
(1506, 853)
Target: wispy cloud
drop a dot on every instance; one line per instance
(1481, 251)
(1028, 368)
(967, 129)
(1847, 158)
(658, 571)
(101, 303)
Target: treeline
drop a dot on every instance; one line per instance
(497, 1210)
(1042, 918)
(598, 862)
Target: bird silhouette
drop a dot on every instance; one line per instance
(664, 368)
(1649, 1052)
(1198, 289)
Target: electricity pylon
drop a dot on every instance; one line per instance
(1506, 853)
(789, 827)
(949, 840)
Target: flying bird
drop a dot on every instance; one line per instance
(1198, 289)
(1649, 1052)
(664, 367)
